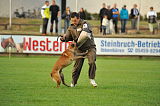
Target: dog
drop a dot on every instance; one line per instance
(67, 57)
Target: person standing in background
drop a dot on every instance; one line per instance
(151, 16)
(104, 24)
(124, 17)
(82, 14)
(115, 16)
(67, 17)
(45, 16)
(110, 21)
(102, 12)
(134, 16)
(55, 12)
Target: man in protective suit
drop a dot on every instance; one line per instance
(80, 32)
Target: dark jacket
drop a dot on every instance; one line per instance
(132, 15)
(109, 14)
(54, 9)
(73, 33)
(103, 12)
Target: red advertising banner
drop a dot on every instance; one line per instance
(32, 44)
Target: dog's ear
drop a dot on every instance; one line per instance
(51, 74)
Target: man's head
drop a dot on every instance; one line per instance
(151, 8)
(104, 5)
(75, 18)
(47, 3)
(108, 7)
(114, 5)
(124, 6)
(53, 2)
(135, 6)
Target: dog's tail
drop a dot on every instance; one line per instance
(62, 78)
(65, 84)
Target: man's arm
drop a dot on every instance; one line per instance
(138, 11)
(42, 12)
(148, 15)
(67, 37)
(117, 12)
(155, 14)
(59, 12)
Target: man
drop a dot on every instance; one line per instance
(151, 16)
(134, 16)
(55, 12)
(45, 15)
(74, 33)
(115, 16)
(102, 13)
(110, 21)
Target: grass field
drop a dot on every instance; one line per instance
(25, 81)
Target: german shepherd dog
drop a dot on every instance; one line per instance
(67, 57)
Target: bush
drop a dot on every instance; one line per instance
(95, 16)
(158, 15)
(88, 15)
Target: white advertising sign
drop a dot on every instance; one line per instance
(128, 46)
(105, 46)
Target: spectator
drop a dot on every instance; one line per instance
(134, 16)
(82, 14)
(55, 12)
(110, 21)
(45, 15)
(104, 24)
(66, 16)
(115, 16)
(101, 14)
(151, 16)
(124, 17)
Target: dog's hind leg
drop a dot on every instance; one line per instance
(56, 77)
(62, 78)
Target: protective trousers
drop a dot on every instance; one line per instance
(91, 55)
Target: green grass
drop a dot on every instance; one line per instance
(39, 21)
(25, 81)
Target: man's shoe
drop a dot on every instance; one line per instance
(72, 85)
(43, 34)
(92, 81)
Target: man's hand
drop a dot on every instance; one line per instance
(62, 38)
